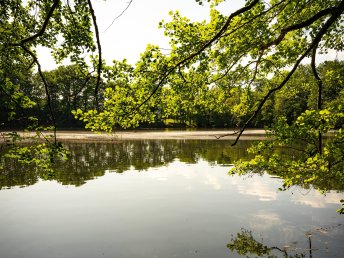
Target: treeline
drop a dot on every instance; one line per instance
(184, 101)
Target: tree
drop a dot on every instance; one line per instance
(241, 49)
(70, 88)
(238, 52)
(231, 53)
(65, 28)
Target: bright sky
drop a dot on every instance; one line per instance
(138, 26)
(130, 33)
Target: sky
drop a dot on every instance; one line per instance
(129, 35)
(138, 26)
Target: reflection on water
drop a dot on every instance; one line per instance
(246, 245)
(91, 160)
(184, 204)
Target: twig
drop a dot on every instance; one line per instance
(129, 3)
(224, 135)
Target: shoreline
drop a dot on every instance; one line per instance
(85, 136)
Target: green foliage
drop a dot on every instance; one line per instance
(341, 210)
(216, 74)
(35, 150)
(212, 2)
(292, 152)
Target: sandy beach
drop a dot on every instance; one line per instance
(70, 136)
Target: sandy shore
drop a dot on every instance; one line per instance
(250, 134)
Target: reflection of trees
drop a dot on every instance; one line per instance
(246, 245)
(16, 174)
(293, 165)
(90, 160)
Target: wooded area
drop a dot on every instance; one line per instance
(254, 67)
(181, 105)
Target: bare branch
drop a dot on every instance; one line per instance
(129, 3)
(224, 135)
(34, 57)
(99, 51)
(320, 85)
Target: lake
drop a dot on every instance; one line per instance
(162, 198)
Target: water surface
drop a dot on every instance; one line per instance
(160, 199)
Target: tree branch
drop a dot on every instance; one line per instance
(320, 85)
(335, 15)
(205, 46)
(129, 3)
(45, 87)
(253, 18)
(99, 51)
(228, 69)
(298, 26)
(44, 26)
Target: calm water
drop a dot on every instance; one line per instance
(160, 199)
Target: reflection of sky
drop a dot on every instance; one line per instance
(260, 189)
(264, 220)
(180, 210)
(315, 199)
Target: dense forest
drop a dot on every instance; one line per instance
(178, 105)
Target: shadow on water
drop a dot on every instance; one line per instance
(90, 160)
(245, 244)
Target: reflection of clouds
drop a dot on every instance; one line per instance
(189, 188)
(317, 200)
(158, 176)
(213, 182)
(265, 220)
(260, 189)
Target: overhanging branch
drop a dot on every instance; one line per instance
(99, 68)
(298, 26)
(34, 57)
(205, 46)
(320, 85)
(44, 26)
(335, 15)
